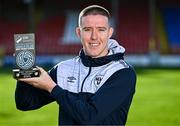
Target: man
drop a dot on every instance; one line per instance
(94, 88)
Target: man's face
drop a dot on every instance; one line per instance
(94, 33)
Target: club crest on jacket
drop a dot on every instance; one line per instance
(98, 79)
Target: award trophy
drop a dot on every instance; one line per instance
(25, 56)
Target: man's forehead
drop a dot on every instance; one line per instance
(94, 20)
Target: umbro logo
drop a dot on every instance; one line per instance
(71, 79)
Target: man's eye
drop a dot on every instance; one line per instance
(102, 29)
(87, 29)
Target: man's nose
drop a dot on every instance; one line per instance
(94, 34)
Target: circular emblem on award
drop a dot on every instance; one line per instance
(25, 59)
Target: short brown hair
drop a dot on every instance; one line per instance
(93, 10)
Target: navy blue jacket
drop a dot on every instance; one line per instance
(105, 102)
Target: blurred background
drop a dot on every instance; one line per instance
(148, 29)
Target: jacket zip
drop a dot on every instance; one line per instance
(85, 79)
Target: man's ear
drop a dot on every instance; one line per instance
(78, 32)
(111, 30)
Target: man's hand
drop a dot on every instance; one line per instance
(44, 81)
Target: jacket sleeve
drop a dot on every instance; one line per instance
(28, 97)
(118, 88)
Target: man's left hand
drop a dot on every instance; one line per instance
(44, 81)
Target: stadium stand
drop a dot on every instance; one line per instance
(162, 40)
(54, 21)
(7, 31)
(53, 37)
(172, 25)
(133, 28)
(49, 36)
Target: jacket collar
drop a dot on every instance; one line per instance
(95, 62)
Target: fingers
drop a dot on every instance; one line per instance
(28, 79)
(44, 81)
(41, 69)
(32, 79)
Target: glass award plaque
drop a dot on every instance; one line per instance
(25, 56)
